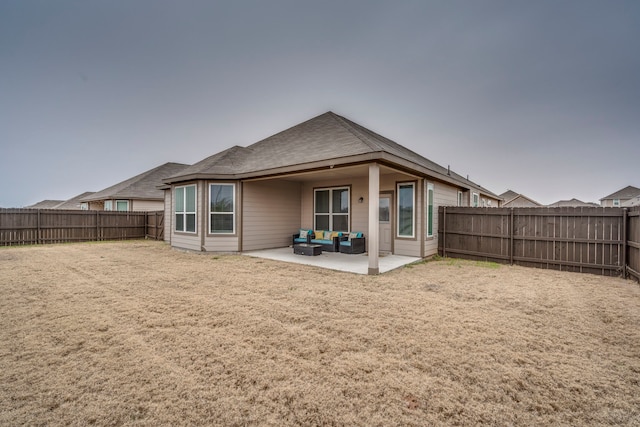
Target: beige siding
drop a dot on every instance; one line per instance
(226, 244)
(443, 195)
(271, 214)
(97, 205)
(168, 215)
(185, 241)
(147, 205)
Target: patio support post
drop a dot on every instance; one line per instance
(374, 226)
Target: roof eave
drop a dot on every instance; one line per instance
(377, 156)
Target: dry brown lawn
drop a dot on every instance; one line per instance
(134, 333)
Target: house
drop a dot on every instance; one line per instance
(516, 200)
(139, 193)
(573, 203)
(325, 173)
(619, 197)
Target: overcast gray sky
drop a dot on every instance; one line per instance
(541, 97)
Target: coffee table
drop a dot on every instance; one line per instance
(307, 249)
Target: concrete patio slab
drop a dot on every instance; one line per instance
(358, 264)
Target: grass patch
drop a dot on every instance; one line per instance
(121, 334)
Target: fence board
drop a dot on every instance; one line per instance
(633, 243)
(587, 239)
(42, 226)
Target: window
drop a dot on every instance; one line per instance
(476, 200)
(384, 210)
(84, 206)
(429, 210)
(616, 202)
(222, 208)
(460, 199)
(406, 211)
(331, 209)
(108, 206)
(186, 208)
(122, 205)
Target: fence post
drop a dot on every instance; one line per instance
(97, 225)
(39, 235)
(624, 243)
(444, 232)
(511, 232)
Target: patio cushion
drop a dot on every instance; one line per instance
(322, 241)
(345, 243)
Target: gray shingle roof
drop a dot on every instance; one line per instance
(143, 186)
(74, 202)
(571, 203)
(627, 192)
(509, 195)
(320, 139)
(45, 204)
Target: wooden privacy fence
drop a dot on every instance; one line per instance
(42, 226)
(586, 239)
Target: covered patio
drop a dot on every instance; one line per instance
(358, 264)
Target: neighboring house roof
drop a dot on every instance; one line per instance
(511, 198)
(508, 195)
(572, 203)
(626, 193)
(142, 187)
(325, 140)
(45, 204)
(74, 202)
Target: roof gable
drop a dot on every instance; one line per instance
(508, 195)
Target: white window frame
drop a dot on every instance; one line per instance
(413, 214)
(122, 201)
(108, 205)
(233, 211)
(460, 198)
(429, 203)
(616, 203)
(186, 212)
(475, 200)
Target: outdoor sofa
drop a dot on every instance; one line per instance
(329, 240)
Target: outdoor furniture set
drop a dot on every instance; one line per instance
(310, 242)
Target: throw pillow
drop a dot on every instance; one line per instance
(303, 234)
(352, 236)
(319, 234)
